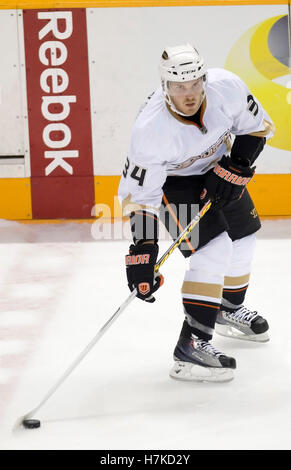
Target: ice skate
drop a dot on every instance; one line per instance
(197, 360)
(242, 323)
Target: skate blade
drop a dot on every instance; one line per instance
(231, 332)
(195, 373)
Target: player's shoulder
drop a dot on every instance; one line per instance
(152, 111)
(226, 82)
(151, 121)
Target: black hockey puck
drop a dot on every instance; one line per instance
(31, 423)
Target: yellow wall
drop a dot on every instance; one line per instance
(15, 198)
(271, 195)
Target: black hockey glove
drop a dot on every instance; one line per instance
(227, 181)
(140, 263)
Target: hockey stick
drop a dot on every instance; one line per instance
(111, 320)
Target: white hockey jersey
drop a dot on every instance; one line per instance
(163, 145)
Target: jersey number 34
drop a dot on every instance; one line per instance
(137, 173)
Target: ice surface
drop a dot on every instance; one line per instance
(59, 286)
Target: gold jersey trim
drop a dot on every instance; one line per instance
(269, 127)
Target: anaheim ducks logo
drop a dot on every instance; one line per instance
(261, 58)
(208, 153)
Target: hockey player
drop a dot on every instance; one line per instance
(181, 154)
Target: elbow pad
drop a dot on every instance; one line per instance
(246, 149)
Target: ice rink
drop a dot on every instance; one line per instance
(59, 286)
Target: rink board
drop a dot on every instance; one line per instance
(70, 128)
